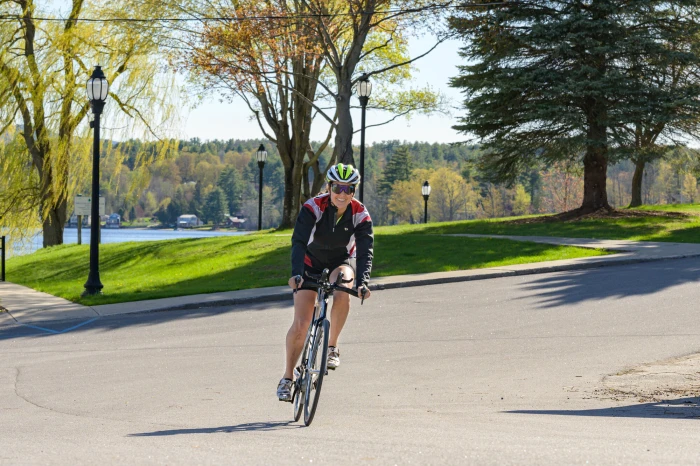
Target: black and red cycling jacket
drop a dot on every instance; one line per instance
(322, 240)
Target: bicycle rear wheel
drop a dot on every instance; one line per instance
(316, 369)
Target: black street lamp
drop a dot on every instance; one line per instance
(426, 194)
(364, 90)
(262, 156)
(97, 90)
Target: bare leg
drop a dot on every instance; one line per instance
(341, 305)
(303, 313)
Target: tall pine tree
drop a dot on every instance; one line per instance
(215, 207)
(398, 168)
(231, 183)
(547, 80)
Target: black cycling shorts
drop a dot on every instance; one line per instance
(317, 271)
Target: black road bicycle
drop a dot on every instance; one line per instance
(314, 356)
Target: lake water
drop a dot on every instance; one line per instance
(122, 235)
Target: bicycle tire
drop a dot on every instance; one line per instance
(316, 366)
(298, 400)
(300, 383)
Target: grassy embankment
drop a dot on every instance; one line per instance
(159, 269)
(148, 270)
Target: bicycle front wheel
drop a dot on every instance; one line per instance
(316, 369)
(298, 398)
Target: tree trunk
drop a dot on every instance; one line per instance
(595, 163)
(319, 179)
(343, 133)
(54, 221)
(288, 215)
(595, 166)
(293, 180)
(637, 182)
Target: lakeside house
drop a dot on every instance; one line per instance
(188, 221)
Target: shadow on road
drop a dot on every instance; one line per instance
(613, 282)
(682, 408)
(248, 427)
(56, 328)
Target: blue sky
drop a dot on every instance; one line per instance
(214, 120)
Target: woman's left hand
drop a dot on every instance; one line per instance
(367, 293)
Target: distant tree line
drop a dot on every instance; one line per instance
(212, 179)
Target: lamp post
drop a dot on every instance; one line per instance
(262, 156)
(426, 194)
(97, 90)
(364, 90)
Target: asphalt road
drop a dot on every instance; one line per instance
(501, 371)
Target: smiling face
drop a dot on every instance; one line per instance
(340, 200)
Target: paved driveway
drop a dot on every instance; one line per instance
(502, 371)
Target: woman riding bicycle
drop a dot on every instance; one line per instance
(332, 231)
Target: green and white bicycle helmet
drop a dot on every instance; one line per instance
(342, 173)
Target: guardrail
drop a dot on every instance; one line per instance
(2, 258)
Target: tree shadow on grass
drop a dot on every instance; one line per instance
(655, 228)
(247, 427)
(681, 408)
(561, 289)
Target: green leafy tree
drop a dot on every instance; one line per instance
(521, 201)
(406, 202)
(666, 108)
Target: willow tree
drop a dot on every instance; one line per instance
(45, 62)
(548, 79)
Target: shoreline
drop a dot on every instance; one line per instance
(230, 230)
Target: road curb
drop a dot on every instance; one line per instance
(500, 273)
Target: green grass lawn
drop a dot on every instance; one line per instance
(693, 209)
(159, 269)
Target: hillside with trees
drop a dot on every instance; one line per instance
(212, 179)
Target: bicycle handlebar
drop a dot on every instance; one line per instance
(326, 285)
(333, 287)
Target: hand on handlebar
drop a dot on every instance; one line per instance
(364, 292)
(295, 282)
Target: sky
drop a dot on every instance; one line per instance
(216, 120)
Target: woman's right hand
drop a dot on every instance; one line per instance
(293, 282)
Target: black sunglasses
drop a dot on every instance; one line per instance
(342, 188)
